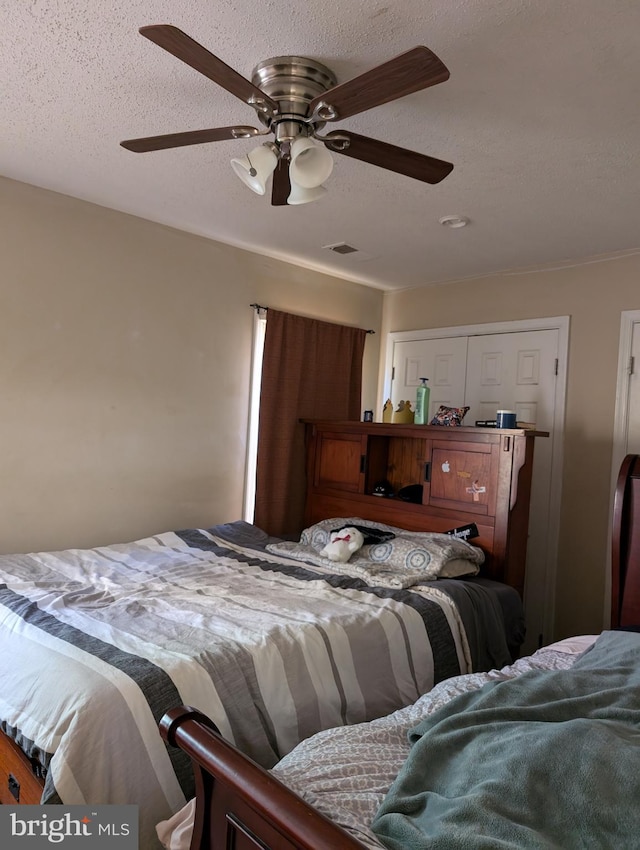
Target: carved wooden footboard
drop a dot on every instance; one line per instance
(239, 805)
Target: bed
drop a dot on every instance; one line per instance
(268, 638)
(573, 705)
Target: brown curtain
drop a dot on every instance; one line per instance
(310, 370)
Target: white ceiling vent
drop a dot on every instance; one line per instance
(341, 248)
(348, 252)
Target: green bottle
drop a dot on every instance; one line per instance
(422, 403)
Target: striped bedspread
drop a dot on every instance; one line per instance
(95, 645)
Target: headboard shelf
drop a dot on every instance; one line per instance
(458, 476)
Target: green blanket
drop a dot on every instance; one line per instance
(548, 760)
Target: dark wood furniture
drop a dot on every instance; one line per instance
(625, 543)
(239, 805)
(20, 780)
(467, 475)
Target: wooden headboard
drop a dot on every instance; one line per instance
(625, 556)
(243, 806)
(463, 476)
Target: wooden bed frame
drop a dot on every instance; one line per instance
(241, 806)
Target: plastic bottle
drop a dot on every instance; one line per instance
(422, 403)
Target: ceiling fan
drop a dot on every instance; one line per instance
(294, 98)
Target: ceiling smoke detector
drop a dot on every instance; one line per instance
(454, 221)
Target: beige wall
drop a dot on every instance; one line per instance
(593, 294)
(124, 369)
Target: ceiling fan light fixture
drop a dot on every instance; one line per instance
(255, 169)
(311, 164)
(301, 195)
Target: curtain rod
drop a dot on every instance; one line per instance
(260, 307)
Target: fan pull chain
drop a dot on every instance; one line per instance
(252, 170)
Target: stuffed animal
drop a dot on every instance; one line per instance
(342, 544)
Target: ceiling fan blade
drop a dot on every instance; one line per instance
(281, 186)
(192, 137)
(185, 48)
(402, 161)
(412, 71)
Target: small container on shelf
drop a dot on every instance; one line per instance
(505, 419)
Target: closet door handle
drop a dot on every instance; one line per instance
(363, 463)
(427, 471)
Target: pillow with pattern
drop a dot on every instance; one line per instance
(449, 415)
(406, 559)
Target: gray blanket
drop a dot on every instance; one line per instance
(548, 760)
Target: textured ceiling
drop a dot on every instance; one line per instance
(540, 117)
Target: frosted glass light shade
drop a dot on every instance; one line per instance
(311, 164)
(255, 169)
(300, 195)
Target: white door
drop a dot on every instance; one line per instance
(514, 371)
(517, 371)
(633, 422)
(442, 361)
(626, 428)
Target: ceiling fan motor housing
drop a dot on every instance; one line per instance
(293, 82)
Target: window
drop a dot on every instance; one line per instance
(259, 330)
